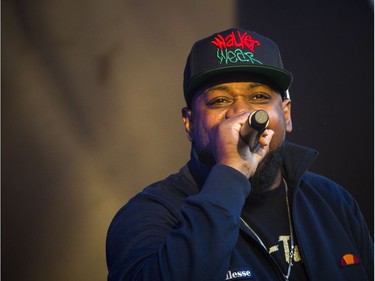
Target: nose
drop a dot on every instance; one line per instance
(238, 107)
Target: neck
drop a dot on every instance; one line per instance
(277, 180)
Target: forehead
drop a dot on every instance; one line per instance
(238, 77)
(236, 88)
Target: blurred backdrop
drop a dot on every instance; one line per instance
(91, 99)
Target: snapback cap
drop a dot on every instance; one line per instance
(234, 51)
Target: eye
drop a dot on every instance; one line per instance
(260, 97)
(219, 101)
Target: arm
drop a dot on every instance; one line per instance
(363, 239)
(150, 241)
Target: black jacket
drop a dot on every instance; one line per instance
(188, 227)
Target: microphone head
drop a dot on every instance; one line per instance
(259, 119)
(251, 130)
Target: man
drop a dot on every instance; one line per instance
(234, 213)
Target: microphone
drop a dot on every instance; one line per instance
(254, 127)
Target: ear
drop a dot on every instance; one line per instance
(188, 122)
(287, 106)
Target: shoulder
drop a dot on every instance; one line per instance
(171, 190)
(326, 189)
(161, 197)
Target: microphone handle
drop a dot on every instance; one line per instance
(254, 127)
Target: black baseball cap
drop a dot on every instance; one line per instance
(234, 51)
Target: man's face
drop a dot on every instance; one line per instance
(217, 102)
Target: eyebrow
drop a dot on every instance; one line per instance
(218, 87)
(252, 85)
(255, 85)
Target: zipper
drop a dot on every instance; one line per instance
(300, 238)
(263, 246)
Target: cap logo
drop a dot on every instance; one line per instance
(244, 44)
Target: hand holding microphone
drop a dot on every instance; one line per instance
(254, 127)
(245, 157)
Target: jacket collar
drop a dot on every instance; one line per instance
(297, 160)
(198, 169)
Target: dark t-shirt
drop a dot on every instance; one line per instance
(267, 214)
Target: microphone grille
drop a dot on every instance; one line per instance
(259, 119)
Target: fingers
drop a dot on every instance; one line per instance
(230, 149)
(264, 144)
(266, 137)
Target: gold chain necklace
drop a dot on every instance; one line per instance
(291, 252)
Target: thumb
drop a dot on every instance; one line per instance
(264, 143)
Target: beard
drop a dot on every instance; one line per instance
(267, 170)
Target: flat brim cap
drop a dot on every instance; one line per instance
(234, 51)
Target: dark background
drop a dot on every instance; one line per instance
(91, 100)
(329, 48)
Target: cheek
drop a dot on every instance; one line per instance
(201, 129)
(204, 124)
(277, 124)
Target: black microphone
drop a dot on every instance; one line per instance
(253, 128)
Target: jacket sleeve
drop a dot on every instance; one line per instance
(363, 239)
(149, 240)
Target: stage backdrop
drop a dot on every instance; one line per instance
(329, 47)
(91, 99)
